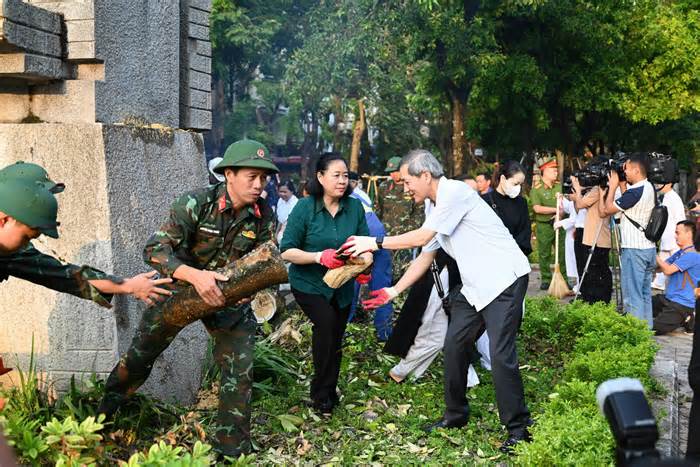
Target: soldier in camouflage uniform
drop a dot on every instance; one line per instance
(28, 197)
(206, 230)
(398, 213)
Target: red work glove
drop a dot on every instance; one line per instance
(328, 259)
(364, 278)
(379, 297)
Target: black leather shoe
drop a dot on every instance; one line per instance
(544, 286)
(442, 423)
(324, 407)
(513, 439)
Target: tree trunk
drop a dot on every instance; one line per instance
(357, 132)
(259, 269)
(560, 165)
(457, 134)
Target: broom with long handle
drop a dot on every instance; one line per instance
(558, 288)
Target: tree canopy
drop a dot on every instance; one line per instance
(371, 78)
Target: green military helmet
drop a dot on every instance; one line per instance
(31, 204)
(393, 164)
(31, 172)
(246, 153)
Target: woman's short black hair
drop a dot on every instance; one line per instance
(314, 186)
(510, 168)
(288, 184)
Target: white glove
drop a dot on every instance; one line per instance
(558, 224)
(357, 245)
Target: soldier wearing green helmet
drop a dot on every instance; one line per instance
(28, 209)
(207, 229)
(28, 171)
(398, 212)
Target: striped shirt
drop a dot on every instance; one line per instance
(637, 203)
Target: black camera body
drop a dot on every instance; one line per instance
(596, 172)
(663, 169)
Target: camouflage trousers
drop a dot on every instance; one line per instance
(233, 330)
(400, 261)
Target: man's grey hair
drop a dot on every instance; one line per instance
(419, 161)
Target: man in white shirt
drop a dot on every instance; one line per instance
(668, 245)
(638, 255)
(489, 298)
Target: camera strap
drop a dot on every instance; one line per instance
(435, 270)
(634, 222)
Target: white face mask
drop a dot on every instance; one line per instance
(511, 191)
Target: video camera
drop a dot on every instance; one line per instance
(632, 423)
(662, 170)
(596, 172)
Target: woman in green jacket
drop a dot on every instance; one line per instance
(317, 226)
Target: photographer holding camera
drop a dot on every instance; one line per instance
(597, 283)
(638, 256)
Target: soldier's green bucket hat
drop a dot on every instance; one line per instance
(31, 204)
(247, 153)
(31, 172)
(393, 164)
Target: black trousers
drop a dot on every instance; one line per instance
(597, 285)
(693, 450)
(501, 318)
(329, 322)
(580, 251)
(668, 315)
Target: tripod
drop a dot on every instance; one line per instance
(588, 262)
(617, 271)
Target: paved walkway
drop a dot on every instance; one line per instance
(671, 369)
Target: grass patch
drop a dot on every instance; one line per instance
(564, 351)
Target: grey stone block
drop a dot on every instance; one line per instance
(81, 50)
(199, 62)
(196, 119)
(69, 9)
(199, 99)
(201, 4)
(32, 67)
(201, 47)
(82, 30)
(139, 44)
(30, 39)
(197, 31)
(198, 17)
(198, 80)
(31, 16)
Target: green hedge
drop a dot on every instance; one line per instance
(594, 343)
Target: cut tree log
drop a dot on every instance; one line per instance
(259, 269)
(335, 278)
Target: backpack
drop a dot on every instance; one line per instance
(657, 221)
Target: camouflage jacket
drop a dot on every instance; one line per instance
(34, 266)
(204, 232)
(396, 209)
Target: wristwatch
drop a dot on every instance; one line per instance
(379, 240)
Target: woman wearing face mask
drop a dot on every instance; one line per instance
(317, 226)
(510, 206)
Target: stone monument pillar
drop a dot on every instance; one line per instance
(110, 96)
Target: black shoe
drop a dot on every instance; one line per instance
(442, 423)
(324, 407)
(513, 439)
(544, 286)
